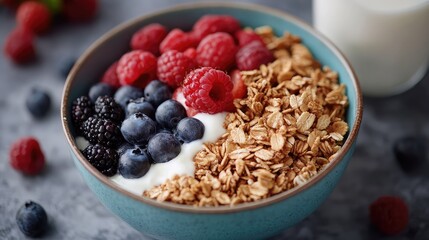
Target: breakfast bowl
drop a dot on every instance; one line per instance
(255, 220)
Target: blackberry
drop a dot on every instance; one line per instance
(102, 131)
(102, 158)
(107, 108)
(82, 109)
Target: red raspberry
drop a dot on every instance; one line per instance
(111, 77)
(240, 89)
(209, 24)
(389, 214)
(208, 90)
(178, 96)
(148, 38)
(136, 68)
(79, 10)
(173, 67)
(26, 156)
(19, 46)
(245, 37)
(217, 50)
(34, 16)
(191, 53)
(253, 55)
(178, 40)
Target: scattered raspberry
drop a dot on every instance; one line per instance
(136, 68)
(389, 214)
(19, 46)
(178, 96)
(149, 38)
(34, 16)
(173, 67)
(79, 10)
(111, 77)
(209, 24)
(252, 55)
(191, 53)
(240, 89)
(208, 90)
(217, 50)
(245, 37)
(26, 156)
(176, 40)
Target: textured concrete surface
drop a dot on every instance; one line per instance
(74, 211)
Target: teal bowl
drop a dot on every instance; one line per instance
(256, 220)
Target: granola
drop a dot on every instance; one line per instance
(288, 128)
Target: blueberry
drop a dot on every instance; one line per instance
(100, 89)
(156, 92)
(190, 129)
(134, 163)
(124, 147)
(138, 128)
(163, 147)
(38, 102)
(411, 153)
(141, 106)
(127, 93)
(32, 219)
(65, 66)
(169, 113)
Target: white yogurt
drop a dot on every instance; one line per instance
(183, 164)
(386, 41)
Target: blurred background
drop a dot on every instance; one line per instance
(75, 213)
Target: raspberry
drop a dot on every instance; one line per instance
(209, 24)
(19, 46)
(107, 108)
(136, 68)
(103, 159)
(101, 131)
(191, 53)
(82, 109)
(245, 37)
(34, 16)
(111, 77)
(79, 10)
(173, 67)
(389, 214)
(217, 50)
(176, 40)
(149, 38)
(26, 156)
(253, 55)
(240, 89)
(208, 90)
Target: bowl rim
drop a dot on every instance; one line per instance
(219, 209)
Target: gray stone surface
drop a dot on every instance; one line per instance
(74, 211)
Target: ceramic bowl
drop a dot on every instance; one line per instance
(255, 220)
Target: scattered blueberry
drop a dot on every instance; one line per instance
(141, 106)
(190, 129)
(100, 89)
(156, 92)
(127, 93)
(138, 128)
(169, 113)
(32, 219)
(163, 147)
(411, 153)
(65, 66)
(134, 163)
(38, 102)
(124, 147)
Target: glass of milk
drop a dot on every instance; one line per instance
(386, 41)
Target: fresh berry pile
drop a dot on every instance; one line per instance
(142, 109)
(36, 18)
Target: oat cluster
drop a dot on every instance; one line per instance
(288, 128)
